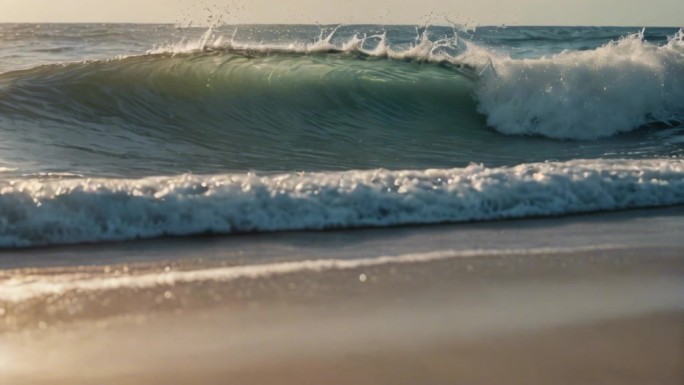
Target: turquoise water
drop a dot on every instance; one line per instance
(115, 132)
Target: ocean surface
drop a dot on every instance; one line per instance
(122, 132)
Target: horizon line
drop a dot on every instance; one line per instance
(503, 25)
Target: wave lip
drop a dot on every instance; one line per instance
(40, 213)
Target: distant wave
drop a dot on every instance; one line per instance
(39, 212)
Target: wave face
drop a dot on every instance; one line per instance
(101, 126)
(275, 113)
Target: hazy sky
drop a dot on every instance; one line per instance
(482, 12)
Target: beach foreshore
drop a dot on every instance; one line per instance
(584, 299)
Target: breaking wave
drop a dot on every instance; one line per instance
(582, 95)
(36, 213)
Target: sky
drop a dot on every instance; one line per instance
(477, 12)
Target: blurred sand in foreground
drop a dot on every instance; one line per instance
(604, 315)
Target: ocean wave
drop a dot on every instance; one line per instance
(621, 86)
(51, 212)
(149, 82)
(231, 111)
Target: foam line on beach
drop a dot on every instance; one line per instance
(23, 287)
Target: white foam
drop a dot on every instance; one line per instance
(75, 210)
(618, 87)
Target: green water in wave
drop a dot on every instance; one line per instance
(227, 111)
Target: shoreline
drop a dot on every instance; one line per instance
(168, 249)
(589, 299)
(540, 321)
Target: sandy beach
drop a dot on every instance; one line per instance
(584, 299)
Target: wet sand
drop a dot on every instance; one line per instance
(558, 301)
